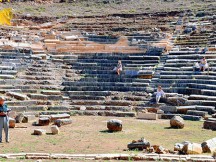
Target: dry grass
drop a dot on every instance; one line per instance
(81, 8)
(88, 135)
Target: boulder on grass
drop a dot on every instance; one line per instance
(114, 125)
(177, 122)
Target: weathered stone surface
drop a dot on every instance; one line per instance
(177, 122)
(159, 149)
(28, 118)
(209, 124)
(12, 122)
(114, 125)
(209, 146)
(176, 101)
(214, 115)
(55, 129)
(147, 116)
(19, 118)
(43, 121)
(18, 96)
(60, 122)
(192, 148)
(39, 132)
(140, 144)
(12, 114)
(59, 116)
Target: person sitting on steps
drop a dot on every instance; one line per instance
(160, 93)
(118, 68)
(203, 64)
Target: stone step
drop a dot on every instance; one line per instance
(94, 93)
(192, 117)
(101, 107)
(86, 97)
(7, 76)
(135, 84)
(9, 72)
(106, 103)
(104, 113)
(197, 113)
(104, 88)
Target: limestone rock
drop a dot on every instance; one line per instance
(18, 96)
(214, 115)
(19, 118)
(114, 125)
(60, 122)
(43, 121)
(209, 146)
(12, 122)
(28, 118)
(192, 148)
(39, 132)
(12, 114)
(59, 116)
(140, 144)
(210, 124)
(177, 122)
(55, 129)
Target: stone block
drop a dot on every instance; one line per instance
(43, 121)
(192, 148)
(28, 118)
(12, 123)
(209, 146)
(39, 132)
(60, 122)
(55, 129)
(147, 116)
(59, 116)
(18, 96)
(19, 118)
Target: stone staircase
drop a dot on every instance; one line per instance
(100, 91)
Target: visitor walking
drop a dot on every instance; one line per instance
(4, 120)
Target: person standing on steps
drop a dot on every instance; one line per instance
(4, 120)
(118, 68)
(160, 93)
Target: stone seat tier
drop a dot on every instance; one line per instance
(184, 109)
(102, 107)
(113, 79)
(4, 76)
(104, 83)
(188, 76)
(104, 113)
(104, 88)
(107, 103)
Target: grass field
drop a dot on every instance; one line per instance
(93, 7)
(88, 134)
